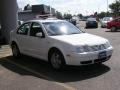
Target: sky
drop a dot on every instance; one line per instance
(86, 7)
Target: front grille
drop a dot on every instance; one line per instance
(102, 60)
(98, 47)
(95, 61)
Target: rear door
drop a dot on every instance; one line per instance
(22, 36)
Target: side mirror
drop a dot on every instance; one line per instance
(39, 34)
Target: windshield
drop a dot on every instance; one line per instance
(107, 19)
(60, 28)
(91, 19)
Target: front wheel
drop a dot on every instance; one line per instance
(57, 60)
(97, 26)
(15, 51)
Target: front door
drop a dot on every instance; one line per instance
(37, 45)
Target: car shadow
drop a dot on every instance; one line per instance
(90, 28)
(70, 74)
(113, 31)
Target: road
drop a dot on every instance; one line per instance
(28, 73)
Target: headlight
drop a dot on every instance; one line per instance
(108, 44)
(82, 49)
(79, 49)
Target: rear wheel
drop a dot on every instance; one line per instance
(57, 60)
(113, 29)
(15, 51)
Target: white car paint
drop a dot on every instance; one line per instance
(105, 20)
(67, 44)
(81, 39)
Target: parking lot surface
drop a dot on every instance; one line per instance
(27, 73)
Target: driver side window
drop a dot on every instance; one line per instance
(35, 28)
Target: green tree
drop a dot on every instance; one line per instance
(104, 14)
(80, 16)
(115, 7)
(59, 15)
(27, 7)
(67, 16)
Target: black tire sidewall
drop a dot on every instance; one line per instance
(18, 52)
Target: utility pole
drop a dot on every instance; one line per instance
(116, 8)
(51, 8)
(107, 7)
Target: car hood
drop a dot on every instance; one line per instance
(81, 39)
(105, 21)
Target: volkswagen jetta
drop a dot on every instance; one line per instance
(60, 43)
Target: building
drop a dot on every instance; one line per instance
(8, 18)
(37, 11)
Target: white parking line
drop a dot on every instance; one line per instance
(67, 87)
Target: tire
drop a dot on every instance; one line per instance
(57, 60)
(15, 51)
(86, 27)
(101, 26)
(96, 26)
(113, 29)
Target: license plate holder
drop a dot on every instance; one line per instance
(102, 55)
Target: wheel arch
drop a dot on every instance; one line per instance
(53, 49)
(13, 43)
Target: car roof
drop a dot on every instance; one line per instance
(91, 19)
(46, 20)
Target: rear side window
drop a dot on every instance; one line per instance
(23, 30)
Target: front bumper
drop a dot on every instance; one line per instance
(87, 58)
(91, 25)
(104, 25)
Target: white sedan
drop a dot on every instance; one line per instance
(104, 21)
(60, 43)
